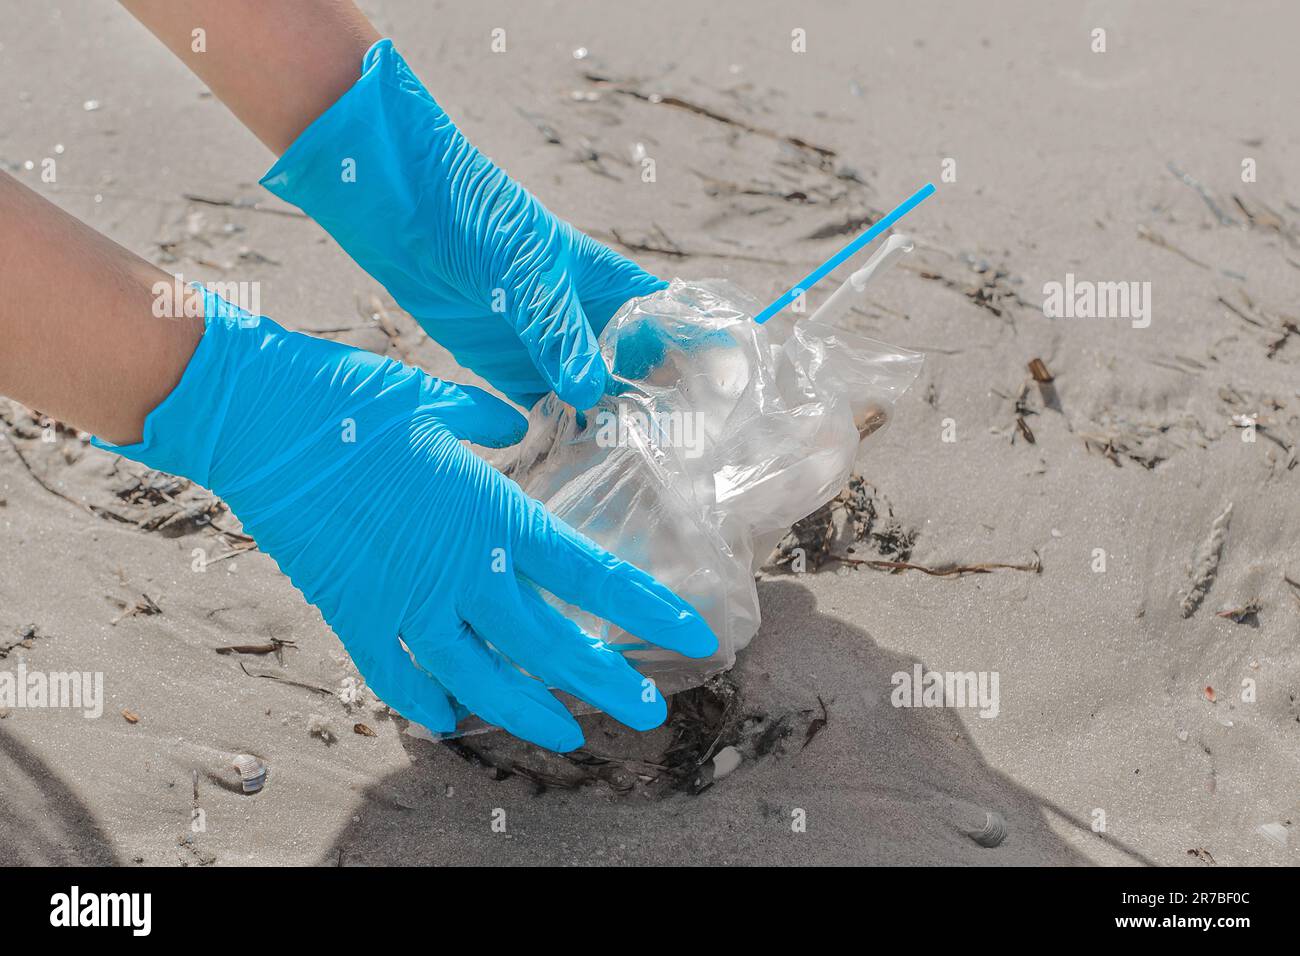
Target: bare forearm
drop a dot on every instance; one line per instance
(277, 65)
(78, 336)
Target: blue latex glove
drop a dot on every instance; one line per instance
(514, 293)
(348, 469)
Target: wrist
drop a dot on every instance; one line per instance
(178, 434)
(341, 158)
(256, 400)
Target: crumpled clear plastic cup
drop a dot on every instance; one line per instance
(719, 433)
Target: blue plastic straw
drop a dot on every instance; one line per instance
(829, 265)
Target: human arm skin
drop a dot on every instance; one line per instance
(276, 65)
(78, 336)
(80, 341)
(514, 292)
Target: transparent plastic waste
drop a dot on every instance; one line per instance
(720, 433)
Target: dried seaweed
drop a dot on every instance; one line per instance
(92, 509)
(951, 570)
(143, 606)
(1146, 443)
(859, 513)
(377, 312)
(1261, 216)
(1113, 448)
(660, 245)
(817, 724)
(284, 680)
(505, 768)
(992, 291)
(153, 496)
(274, 646)
(1205, 194)
(853, 224)
(548, 131)
(1207, 563)
(1290, 327)
(1158, 240)
(822, 155)
(150, 501)
(249, 205)
(1237, 312)
(702, 720)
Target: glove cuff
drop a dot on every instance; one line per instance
(344, 172)
(180, 434)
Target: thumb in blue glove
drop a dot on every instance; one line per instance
(514, 293)
(349, 470)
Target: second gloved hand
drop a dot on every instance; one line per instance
(349, 470)
(514, 293)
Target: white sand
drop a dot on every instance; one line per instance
(1061, 157)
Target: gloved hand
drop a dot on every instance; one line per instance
(348, 469)
(514, 293)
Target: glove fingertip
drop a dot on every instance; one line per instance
(649, 715)
(481, 418)
(695, 638)
(510, 433)
(569, 742)
(647, 283)
(664, 618)
(561, 736)
(583, 380)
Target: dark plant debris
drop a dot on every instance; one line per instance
(817, 724)
(143, 606)
(1245, 614)
(274, 646)
(822, 155)
(27, 636)
(859, 515)
(284, 680)
(702, 721)
(953, 570)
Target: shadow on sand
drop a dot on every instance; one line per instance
(877, 785)
(42, 822)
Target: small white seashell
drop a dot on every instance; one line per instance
(351, 691)
(252, 772)
(90, 105)
(992, 833)
(1275, 833)
(725, 761)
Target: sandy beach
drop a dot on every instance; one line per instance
(1143, 504)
